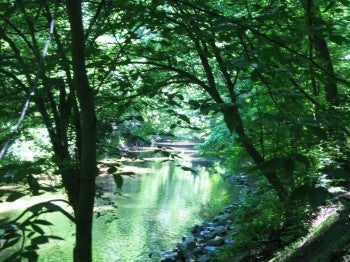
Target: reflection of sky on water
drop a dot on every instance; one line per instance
(157, 209)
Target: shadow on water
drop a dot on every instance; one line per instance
(153, 211)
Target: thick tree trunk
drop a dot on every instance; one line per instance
(84, 212)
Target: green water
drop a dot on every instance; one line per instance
(154, 211)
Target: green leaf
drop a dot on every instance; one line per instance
(38, 229)
(118, 180)
(238, 63)
(14, 196)
(318, 197)
(10, 243)
(30, 234)
(129, 173)
(300, 193)
(42, 222)
(194, 104)
(345, 2)
(31, 255)
(185, 118)
(163, 152)
(346, 202)
(338, 39)
(36, 208)
(32, 247)
(53, 207)
(338, 173)
(55, 237)
(329, 6)
(11, 232)
(112, 169)
(15, 257)
(315, 196)
(301, 159)
(255, 75)
(43, 239)
(317, 130)
(186, 168)
(166, 160)
(40, 240)
(172, 126)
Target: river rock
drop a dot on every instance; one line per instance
(208, 224)
(196, 229)
(219, 231)
(204, 258)
(209, 249)
(229, 242)
(221, 219)
(198, 251)
(186, 247)
(216, 242)
(230, 208)
(205, 233)
(169, 256)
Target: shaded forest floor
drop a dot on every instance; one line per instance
(329, 242)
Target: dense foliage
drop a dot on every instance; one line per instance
(263, 85)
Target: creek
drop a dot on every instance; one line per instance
(153, 210)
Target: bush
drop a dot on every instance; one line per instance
(263, 224)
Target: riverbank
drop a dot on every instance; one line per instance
(204, 239)
(328, 240)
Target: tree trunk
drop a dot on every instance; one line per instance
(84, 212)
(272, 177)
(314, 19)
(234, 122)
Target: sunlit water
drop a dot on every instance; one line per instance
(153, 211)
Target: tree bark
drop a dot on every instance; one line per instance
(314, 19)
(84, 212)
(272, 177)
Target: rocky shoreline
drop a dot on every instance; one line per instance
(204, 239)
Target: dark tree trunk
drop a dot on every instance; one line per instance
(272, 177)
(318, 41)
(234, 122)
(84, 212)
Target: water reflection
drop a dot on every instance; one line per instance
(160, 208)
(154, 211)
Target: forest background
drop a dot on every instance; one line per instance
(262, 84)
